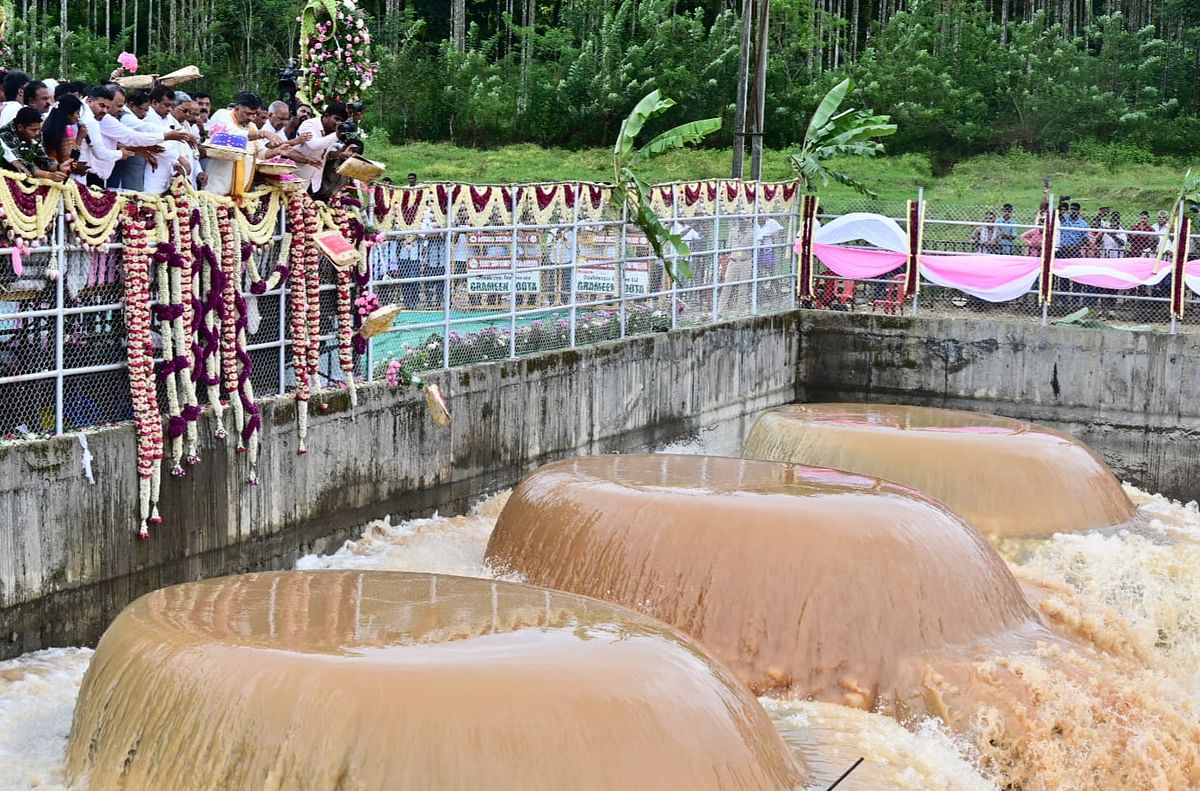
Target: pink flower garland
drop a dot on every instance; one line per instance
(306, 307)
(147, 420)
(230, 367)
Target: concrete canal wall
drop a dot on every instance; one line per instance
(1134, 397)
(69, 554)
(70, 560)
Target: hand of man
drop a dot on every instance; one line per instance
(202, 179)
(180, 136)
(302, 138)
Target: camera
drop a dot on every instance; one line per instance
(346, 130)
(289, 76)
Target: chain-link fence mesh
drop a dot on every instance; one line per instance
(493, 273)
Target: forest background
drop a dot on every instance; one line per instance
(1112, 82)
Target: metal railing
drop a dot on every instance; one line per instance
(473, 291)
(480, 287)
(951, 229)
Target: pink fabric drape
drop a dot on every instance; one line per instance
(856, 263)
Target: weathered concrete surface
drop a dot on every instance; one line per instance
(70, 558)
(1130, 396)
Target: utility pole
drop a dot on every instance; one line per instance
(739, 119)
(760, 91)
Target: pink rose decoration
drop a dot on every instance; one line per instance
(128, 61)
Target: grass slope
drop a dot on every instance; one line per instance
(991, 180)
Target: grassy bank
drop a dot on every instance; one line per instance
(1015, 177)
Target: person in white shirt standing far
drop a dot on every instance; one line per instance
(323, 137)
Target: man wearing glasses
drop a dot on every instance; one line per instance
(184, 119)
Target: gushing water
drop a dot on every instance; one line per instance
(1130, 592)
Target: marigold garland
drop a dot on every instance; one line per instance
(147, 420)
(93, 217)
(28, 206)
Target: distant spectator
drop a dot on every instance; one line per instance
(412, 179)
(1008, 230)
(1114, 240)
(986, 237)
(1070, 243)
(1034, 236)
(1141, 238)
(1161, 229)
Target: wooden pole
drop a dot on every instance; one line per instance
(760, 91)
(739, 119)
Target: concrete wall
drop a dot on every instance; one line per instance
(1130, 396)
(70, 560)
(69, 554)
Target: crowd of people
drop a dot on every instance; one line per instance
(109, 137)
(1102, 236)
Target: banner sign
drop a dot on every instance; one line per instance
(596, 271)
(491, 266)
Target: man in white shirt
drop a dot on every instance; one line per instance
(171, 160)
(278, 115)
(323, 138)
(152, 138)
(14, 93)
(227, 177)
(98, 154)
(182, 119)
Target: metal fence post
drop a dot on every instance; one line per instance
(755, 246)
(281, 378)
(574, 268)
(447, 283)
(716, 269)
(921, 214)
(59, 324)
(512, 283)
(624, 253)
(675, 258)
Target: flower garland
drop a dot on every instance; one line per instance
(93, 218)
(206, 368)
(186, 218)
(28, 206)
(305, 303)
(147, 420)
(248, 436)
(335, 47)
(231, 318)
(348, 321)
(258, 217)
(259, 286)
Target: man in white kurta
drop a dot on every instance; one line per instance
(323, 137)
(226, 177)
(95, 152)
(165, 166)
